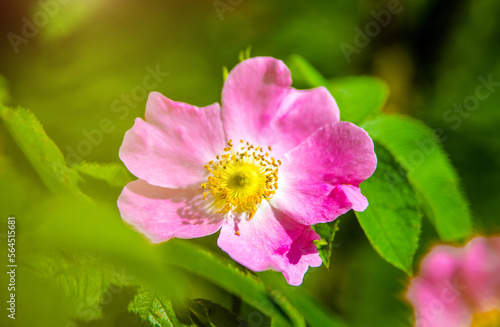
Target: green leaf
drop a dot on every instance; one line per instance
(248, 51)
(156, 309)
(316, 314)
(115, 174)
(245, 54)
(19, 183)
(41, 304)
(254, 316)
(40, 150)
(325, 244)
(303, 71)
(296, 316)
(226, 275)
(96, 227)
(214, 314)
(101, 181)
(392, 220)
(417, 149)
(84, 279)
(358, 97)
(114, 310)
(225, 72)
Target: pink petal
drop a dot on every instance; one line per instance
(480, 272)
(271, 240)
(437, 306)
(170, 148)
(442, 263)
(318, 180)
(162, 213)
(351, 195)
(259, 106)
(438, 296)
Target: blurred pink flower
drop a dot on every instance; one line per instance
(205, 169)
(458, 287)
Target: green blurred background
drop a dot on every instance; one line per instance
(85, 64)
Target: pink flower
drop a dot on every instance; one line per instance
(458, 286)
(263, 169)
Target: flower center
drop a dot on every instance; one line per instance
(240, 179)
(486, 319)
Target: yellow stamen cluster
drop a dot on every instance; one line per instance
(240, 179)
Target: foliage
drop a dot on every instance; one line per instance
(80, 265)
(417, 149)
(326, 244)
(41, 151)
(391, 223)
(392, 220)
(412, 166)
